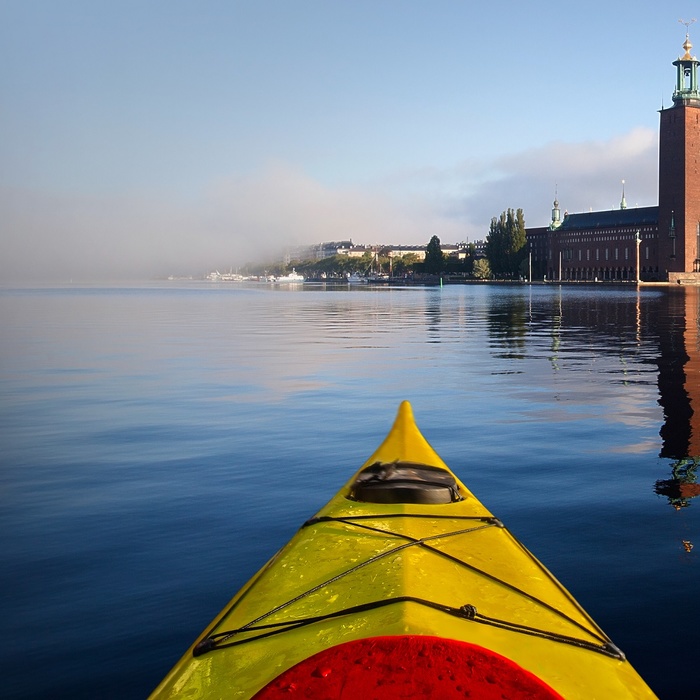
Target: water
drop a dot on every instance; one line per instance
(160, 442)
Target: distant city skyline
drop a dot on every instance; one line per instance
(162, 137)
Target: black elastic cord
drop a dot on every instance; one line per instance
(490, 519)
(423, 542)
(225, 639)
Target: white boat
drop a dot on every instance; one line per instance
(292, 277)
(354, 278)
(217, 276)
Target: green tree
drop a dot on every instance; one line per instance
(482, 269)
(434, 262)
(405, 263)
(506, 243)
(495, 244)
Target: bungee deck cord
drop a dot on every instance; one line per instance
(257, 629)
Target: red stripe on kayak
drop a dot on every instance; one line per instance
(389, 668)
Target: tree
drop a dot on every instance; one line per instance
(482, 269)
(495, 244)
(405, 263)
(506, 243)
(434, 262)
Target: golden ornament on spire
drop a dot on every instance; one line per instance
(686, 44)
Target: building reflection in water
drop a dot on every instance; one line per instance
(679, 389)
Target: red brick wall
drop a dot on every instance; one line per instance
(679, 186)
(692, 185)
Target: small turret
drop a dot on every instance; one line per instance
(556, 213)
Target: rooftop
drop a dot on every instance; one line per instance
(639, 216)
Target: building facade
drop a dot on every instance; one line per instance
(658, 243)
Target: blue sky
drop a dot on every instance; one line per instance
(155, 137)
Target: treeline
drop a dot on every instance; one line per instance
(505, 252)
(504, 257)
(377, 262)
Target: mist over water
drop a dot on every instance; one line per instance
(60, 235)
(161, 441)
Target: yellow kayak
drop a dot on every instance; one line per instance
(403, 586)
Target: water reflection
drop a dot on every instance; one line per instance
(679, 396)
(508, 324)
(679, 376)
(625, 324)
(433, 313)
(682, 486)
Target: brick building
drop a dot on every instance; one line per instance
(659, 243)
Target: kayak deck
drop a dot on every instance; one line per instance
(403, 552)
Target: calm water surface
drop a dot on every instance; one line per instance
(160, 442)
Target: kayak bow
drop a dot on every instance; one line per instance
(404, 585)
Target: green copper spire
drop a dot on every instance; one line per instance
(687, 89)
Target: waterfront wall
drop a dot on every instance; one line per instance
(684, 277)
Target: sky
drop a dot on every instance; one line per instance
(146, 138)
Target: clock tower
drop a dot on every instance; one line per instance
(679, 176)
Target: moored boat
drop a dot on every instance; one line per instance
(292, 277)
(404, 586)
